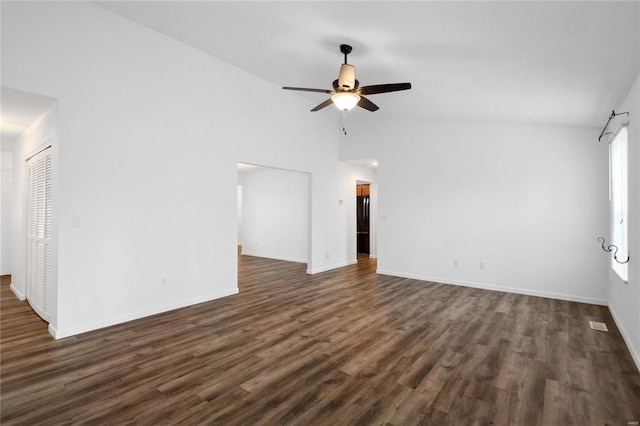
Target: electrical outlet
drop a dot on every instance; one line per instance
(456, 263)
(482, 266)
(163, 282)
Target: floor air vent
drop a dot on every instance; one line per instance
(600, 326)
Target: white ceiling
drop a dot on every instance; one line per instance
(19, 110)
(244, 167)
(534, 62)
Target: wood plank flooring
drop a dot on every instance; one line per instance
(342, 347)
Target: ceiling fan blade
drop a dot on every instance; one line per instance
(305, 89)
(383, 88)
(367, 104)
(322, 105)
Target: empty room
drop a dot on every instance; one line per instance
(312, 213)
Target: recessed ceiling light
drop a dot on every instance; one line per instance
(375, 163)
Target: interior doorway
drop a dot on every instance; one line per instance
(273, 213)
(363, 219)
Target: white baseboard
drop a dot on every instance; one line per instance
(269, 256)
(72, 331)
(527, 292)
(328, 268)
(625, 336)
(53, 331)
(18, 293)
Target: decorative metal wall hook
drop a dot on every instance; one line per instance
(613, 248)
(613, 115)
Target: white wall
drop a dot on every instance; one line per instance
(6, 211)
(18, 244)
(6, 160)
(624, 298)
(347, 211)
(239, 222)
(275, 214)
(527, 201)
(148, 145)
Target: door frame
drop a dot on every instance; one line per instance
(373, 210)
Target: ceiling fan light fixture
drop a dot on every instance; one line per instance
(345, 101)
(346, 89)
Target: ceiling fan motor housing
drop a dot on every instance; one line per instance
(347, 78)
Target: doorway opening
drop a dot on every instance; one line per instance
(30, 140)
(273, 213)
(363, 219)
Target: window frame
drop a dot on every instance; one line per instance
(619, 200)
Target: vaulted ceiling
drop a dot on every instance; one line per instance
(537, 62)
(553, 62)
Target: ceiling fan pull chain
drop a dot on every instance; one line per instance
(344, 121)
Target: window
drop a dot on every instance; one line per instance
(619, 201)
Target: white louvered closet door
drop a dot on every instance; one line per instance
(39, 228)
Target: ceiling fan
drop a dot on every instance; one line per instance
(347, 93)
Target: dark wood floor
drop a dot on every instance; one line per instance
(342, 347)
